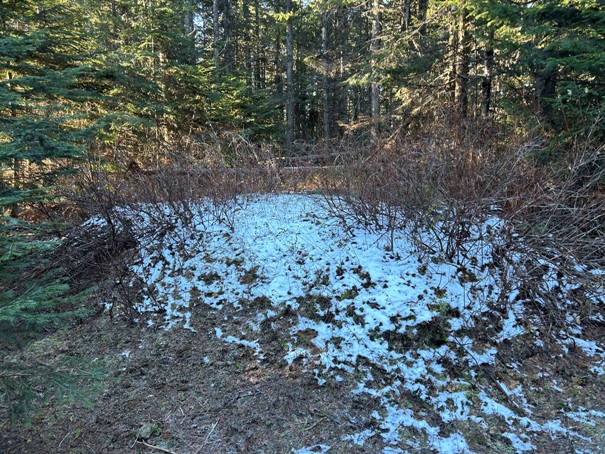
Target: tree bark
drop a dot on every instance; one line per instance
(228, 46)
(406, 15)
(324, 75)
(375, 89)
(247, 44)
(215, 40)
(189, 29)
(545, 88)
(259, 58)
(462, 57)
(486, 83)
(423, 6)
(289, 76)
(188, 19)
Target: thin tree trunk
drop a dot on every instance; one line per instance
(289, 76)
(423, 6)
(189, 29)
(278, 80)
(215, 39)
(188, 19)
(247, 44)
(462, 61)
(406, 15)
(342, 114)
(229, 46)
(375, 90)
(259, 71)
(545, 88)
(324, 75)
(486, 83)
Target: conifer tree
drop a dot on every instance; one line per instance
(41, 131)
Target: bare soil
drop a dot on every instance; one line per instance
(189, 392)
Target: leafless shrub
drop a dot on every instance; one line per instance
(443, 186)
(563, 235)
(201, 186)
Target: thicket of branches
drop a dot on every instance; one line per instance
(461, 191)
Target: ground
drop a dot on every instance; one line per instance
(279, 332)
(196, 393)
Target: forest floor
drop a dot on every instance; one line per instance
(269, 327)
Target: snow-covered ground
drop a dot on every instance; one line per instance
(367, 307)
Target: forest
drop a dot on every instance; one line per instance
(172, 168)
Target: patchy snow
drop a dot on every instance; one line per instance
(317, 449)
(360, 438)
(359, 299)
(512, 326)
(251, 344)
(518, 443)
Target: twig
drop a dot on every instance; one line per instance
(211, 430)
(208, 436)
(311, 427)
(66, 435)
(156, 447)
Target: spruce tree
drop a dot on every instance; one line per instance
(42, 130)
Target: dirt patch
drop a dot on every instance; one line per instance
(184, 391)
(191, 392)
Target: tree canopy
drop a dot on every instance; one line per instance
(289, 71)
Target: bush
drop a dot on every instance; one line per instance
(472, 195)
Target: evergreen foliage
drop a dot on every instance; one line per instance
(32, 301)
(42, 129)
(163, 69)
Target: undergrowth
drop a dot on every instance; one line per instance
(473, 195)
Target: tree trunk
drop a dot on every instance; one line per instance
(215, 41)
(228, 47)
(406, 15)
(324, 75)
(423, 6)
(259, 59)
(278, 80)
(486, 83)
(188, 19)
(462, 57)
(289, 76)
(375, 90)
(545, 88)
(342, 113)
(247, 44)
(189, 29)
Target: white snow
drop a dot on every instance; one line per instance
(358, 303)
(360, 438)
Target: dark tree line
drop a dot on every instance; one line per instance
(287, 70)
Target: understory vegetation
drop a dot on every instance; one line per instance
(447, 284)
